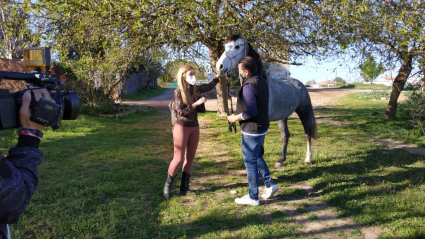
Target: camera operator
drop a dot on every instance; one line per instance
(19, 170)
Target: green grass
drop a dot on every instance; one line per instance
(143, 94)
(368, 116)
(368, 86)
(103, 178)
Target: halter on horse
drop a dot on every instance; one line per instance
(286, 95)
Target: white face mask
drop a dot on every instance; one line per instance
(191, 80)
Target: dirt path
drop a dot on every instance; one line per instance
(319, 97)
(157, 101)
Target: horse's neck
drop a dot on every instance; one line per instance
(260, 67)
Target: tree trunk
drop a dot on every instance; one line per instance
(222, 105)
(398, 86)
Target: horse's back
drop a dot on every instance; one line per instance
(285, 95)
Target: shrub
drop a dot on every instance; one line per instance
(414, 108)
(374, 95)
(106, 108)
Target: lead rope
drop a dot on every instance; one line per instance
(232, 126)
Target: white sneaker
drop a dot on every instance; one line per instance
(268, 192)
(247, 201)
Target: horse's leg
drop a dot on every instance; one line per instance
(309, 151)
(309, 123)
(284, 133)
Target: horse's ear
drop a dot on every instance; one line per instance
(230, 33)
(240, 33)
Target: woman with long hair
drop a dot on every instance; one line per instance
(186, 104)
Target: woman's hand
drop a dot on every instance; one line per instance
(216, 78)
(199, 102)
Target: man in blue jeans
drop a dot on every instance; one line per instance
(253, 117)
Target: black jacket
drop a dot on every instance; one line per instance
(259, 123)
(186, 115)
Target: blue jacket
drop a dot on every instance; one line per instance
(18, 180)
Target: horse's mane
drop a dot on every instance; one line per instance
(233, 38)
(252, 53)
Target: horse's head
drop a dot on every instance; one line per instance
(235, 48)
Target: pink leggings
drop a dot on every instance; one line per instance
(185, 141)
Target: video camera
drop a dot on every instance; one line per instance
(65, 104)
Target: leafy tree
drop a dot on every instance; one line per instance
(95, 45)
(370, 70)
(340, 80)
(151, 66)
(310, 83)
(392, 30)
(172, 67)
(114, 32)
(274, 28)
(15, 28)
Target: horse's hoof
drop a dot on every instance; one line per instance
(278, 165)
(307, 162)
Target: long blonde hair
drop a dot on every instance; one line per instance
(184, 86)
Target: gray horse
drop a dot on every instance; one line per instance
(286, 95)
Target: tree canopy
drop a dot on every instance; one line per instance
(391, 30)
(110, 36)
(15, 28)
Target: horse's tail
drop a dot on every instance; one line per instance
(306, 113)
(313, 127)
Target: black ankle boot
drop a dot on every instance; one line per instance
(184, 186)
(168, 183)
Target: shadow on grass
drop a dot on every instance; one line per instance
(384, 181)
(228, 225)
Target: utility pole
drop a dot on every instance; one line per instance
(336, 76)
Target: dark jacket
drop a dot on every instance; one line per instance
(18, 180)
(184, 114)
(260, 122)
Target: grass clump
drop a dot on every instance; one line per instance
(143, 94)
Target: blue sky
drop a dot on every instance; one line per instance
(325, 71)
(311, 70)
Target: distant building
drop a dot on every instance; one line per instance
(385, 80)
(326, 83)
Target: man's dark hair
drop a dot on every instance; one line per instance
(248, 63)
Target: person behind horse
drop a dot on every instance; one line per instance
(187, 104)
(253, 117)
